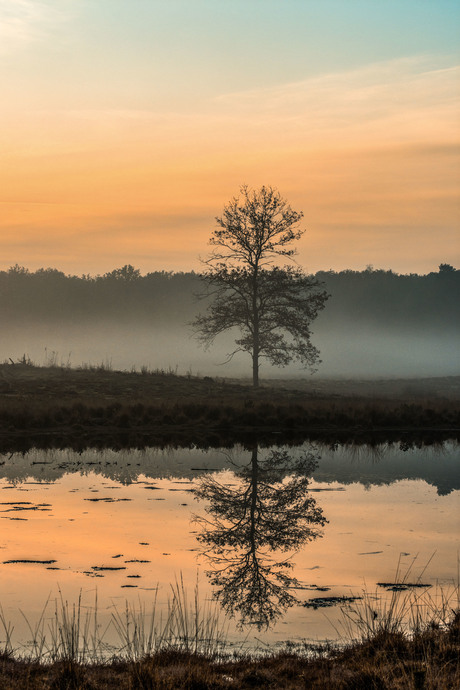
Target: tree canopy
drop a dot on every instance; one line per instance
(272, 306)
(249, 529)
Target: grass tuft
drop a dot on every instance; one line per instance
(406, 612)
(172, 654)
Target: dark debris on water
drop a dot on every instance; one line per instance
(402, 586)
(325, 602)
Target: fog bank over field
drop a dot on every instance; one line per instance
(376, 323)
(358, 352)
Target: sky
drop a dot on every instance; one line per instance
(127, 125)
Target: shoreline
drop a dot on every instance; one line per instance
(52, 406)
(426, 658)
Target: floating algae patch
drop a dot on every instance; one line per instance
(15, 503)
(402, 586)
(326, 602)
(91, 573)
(107, 499)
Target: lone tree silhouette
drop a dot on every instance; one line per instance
(250, 527)
(272, 306)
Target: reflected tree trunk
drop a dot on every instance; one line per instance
(246, 528)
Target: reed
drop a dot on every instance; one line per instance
(72, 632)
(185, 651)
(410, 609)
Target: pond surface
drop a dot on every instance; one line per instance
(266, 531)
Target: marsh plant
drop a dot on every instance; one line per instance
(73, 632)
(186, 648)
(412, 607)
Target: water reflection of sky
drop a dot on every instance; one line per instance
(150, 519)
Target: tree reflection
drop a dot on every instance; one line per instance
(269, 510)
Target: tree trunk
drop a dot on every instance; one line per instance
(252, 508)
(255, 332)
(255, 368)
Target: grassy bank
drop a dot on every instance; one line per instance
(94, 404)
(409, 640)
(97, 403)
(384, 659)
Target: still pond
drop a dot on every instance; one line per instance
(278, 535)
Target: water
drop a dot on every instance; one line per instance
(265, 530)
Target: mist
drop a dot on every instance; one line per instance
(375, 324)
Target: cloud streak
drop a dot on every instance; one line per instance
(366, 150)
(396, 103)
(24, 22)
(398, 100)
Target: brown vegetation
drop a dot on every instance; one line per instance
(93, 404)
(389, 660)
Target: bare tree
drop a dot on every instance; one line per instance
(272, 306)
(249, 529)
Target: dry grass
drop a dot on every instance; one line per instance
(429, 659)
(406, 611)
(73, 633)
(412, 643)
(162, 406)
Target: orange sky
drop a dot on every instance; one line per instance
(94, 174)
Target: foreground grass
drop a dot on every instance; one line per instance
(428, 659)
(411, 640)
(96, 402)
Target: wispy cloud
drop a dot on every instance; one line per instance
(369, 154)
(403, 99)
(398, 102)
(23, 22)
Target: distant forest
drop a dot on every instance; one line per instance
(375, 323)
(378, 297)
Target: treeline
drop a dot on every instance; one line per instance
(123, 294)
(380, 297)
(384, 298)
